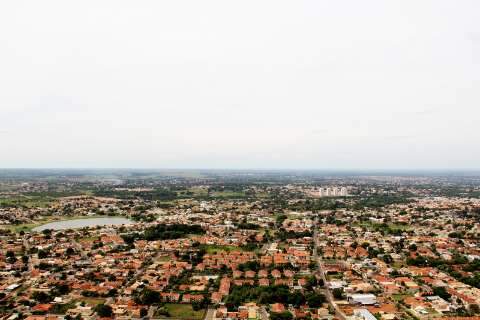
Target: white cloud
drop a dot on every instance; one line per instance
(251, 84)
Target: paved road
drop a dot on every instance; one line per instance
(338, 312)
(151, 312)
(265, 248)
(263, 313)
(210, 315)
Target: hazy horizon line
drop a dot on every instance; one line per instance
(249, 169)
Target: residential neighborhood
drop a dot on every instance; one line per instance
(192, 249)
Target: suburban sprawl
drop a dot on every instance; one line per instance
(214, 245)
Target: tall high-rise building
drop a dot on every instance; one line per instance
(333, 192)
(321, 192)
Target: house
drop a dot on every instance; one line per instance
(263, 273)
(263, 282)
(170, 296)
(42, 307)
(189, 298)
(216, 297)
(363, 314)
(277, 308)
(276, 274)
(363, 299)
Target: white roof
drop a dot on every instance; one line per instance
(364, 313)
(364, 298)
(12, 287)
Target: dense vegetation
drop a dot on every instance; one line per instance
(447, 266)
(271, 294)
(379, 201)
(156, 194)
(283, 235)
(163, 232)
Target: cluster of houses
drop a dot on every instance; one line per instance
(397, 262)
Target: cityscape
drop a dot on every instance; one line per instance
(333, 192)
(239, 160)
(79, 244)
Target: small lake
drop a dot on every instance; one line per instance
(82, 223)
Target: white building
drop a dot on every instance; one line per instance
(363, 299)
(332, 192)
(363, 314)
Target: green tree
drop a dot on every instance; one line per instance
(338, 293)
(41, 297)
(42, 254)
(387, 258)
(315, 300)
(286, 315)
(474, 308)
(103, 310)
(70, 251)
(441, 292)
(148, 296)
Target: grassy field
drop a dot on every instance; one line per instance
(262, 195)
(163, 259)
(91, 238)
(336, 276)
(62, 308)
(399, 297)
(378, 226)
(199, 191)
(91, 301)
(184, 311)
(38, 199)
(29, 226)
(213, 249)
(27, 202)
(20, 227)
(228, 194)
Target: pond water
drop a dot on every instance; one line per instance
(81, 223)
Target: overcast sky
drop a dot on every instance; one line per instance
(240, 84)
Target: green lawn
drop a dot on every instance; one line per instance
(91, 238)
(262, 194)
(378, 226)
(228, 194)
(184, 311)
(91, 301)
(29, 226)
(399, 297)
(19, 227)
(213, 248)
(28, 202)
(163, 259)
(199, 191)
(62, 308)
(335, 276)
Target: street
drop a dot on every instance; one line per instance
(328, 294)
(210, 314)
